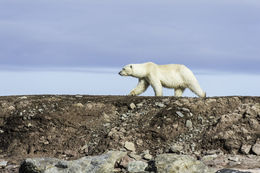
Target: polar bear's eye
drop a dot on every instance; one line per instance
(131, 66)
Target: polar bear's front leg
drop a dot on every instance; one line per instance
(140, 88)
(157, 87)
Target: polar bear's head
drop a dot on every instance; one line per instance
(127, 70)
(134, 70)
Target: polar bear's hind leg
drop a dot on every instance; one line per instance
(178, 92)
(195, 88)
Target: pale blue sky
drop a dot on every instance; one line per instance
(108, 82)
(42, 38)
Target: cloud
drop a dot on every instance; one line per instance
(220, 35)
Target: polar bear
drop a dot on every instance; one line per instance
(175, 76)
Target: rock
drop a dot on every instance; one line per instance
(129, 146)
(62, 164)
(84, 148)
(185, 109)
(3, 163)
(90, 164)
(125, 161)
(132, 106)
(139, 105)
(200, 118)
(78, 96)
(123, 116)
(70, 153)
(139, 142)
(78, 105)
(232, 145)
(23, 97)
(11, 108)
(166, 100)
(230, 171)
(189, 124)
(245, 149)
(209, 158)
(160, 105)
(179, 114)
(256, 147)
(112, 132)
(175, 148)
(175, 125)
(89, 105)
(135, 156)
(254, 124)
(106, 117)
(212, 152)
(180, 164)
(234, 159)
(136, 166)
(147, 155)
(29, 125)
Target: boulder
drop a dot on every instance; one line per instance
(230, 171)
(90, 164)
(256, 147)
(173, 163)
(137, 166)
(245, 149)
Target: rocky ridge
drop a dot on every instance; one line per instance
(214, 133)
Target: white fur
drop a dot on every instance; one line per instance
(175, 76)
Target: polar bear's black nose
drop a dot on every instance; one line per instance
(120, 73)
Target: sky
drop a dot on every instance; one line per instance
(78, 46)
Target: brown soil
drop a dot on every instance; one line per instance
(70, 127)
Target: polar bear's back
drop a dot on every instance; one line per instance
(174, 75)
(175, 70)
(172, 67)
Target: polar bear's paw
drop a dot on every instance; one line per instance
(132, 93)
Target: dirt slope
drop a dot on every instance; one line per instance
(70, 127)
